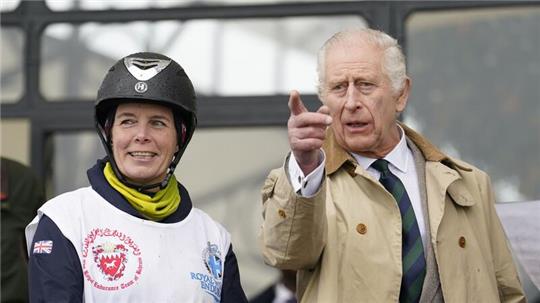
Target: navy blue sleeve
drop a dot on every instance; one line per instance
(54, 276)
(231, 290)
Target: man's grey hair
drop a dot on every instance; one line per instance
(393, 64)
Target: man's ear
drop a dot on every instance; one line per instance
(403, 95)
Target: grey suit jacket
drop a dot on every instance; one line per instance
(431, 291)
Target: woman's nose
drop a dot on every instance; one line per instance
(142, 134)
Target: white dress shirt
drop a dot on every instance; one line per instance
(401, 164)
(283, 294)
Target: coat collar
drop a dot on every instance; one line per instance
(337, 156)
(442, 178)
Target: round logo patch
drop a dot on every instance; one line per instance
(141, 87)
(111, 259)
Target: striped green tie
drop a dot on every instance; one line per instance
(414, 263)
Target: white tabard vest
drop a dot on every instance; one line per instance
(128, 259)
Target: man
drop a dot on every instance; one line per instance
(369, 210)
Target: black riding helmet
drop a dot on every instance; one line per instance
(147, 78)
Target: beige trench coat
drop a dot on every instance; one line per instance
(346, 240)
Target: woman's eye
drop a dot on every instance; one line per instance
(159, 123)
(127, 122)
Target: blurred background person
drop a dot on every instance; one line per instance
(283, 291)
(21, 195)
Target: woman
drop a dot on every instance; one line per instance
(133, 235)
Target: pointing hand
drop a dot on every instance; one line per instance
(306, 132)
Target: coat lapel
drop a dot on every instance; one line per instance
(438, 179)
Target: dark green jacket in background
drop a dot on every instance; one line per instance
(21, 195)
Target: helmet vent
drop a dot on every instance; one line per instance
(144, 69)
(146, 64)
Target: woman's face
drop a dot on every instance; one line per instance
(143, 141)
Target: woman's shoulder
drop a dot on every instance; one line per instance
(206, 219)
(70, 199)
(202, 215)
(213, 230)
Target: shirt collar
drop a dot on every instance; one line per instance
(398, 157)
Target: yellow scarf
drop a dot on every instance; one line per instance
(156, 208)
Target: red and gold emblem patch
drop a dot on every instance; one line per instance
(111, 259)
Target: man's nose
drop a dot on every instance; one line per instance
(353, 98)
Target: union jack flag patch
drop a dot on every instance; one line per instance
(43, 247)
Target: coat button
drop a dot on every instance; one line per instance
(282, 213)
(462, 242)
(361, 228)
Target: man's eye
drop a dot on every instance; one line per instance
(338, 87)
(366, 84)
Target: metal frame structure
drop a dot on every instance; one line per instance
(214, 111)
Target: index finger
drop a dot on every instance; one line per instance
(296, 106)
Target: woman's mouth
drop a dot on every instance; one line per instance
(142, 154)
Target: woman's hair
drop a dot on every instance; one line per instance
(393, 58)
